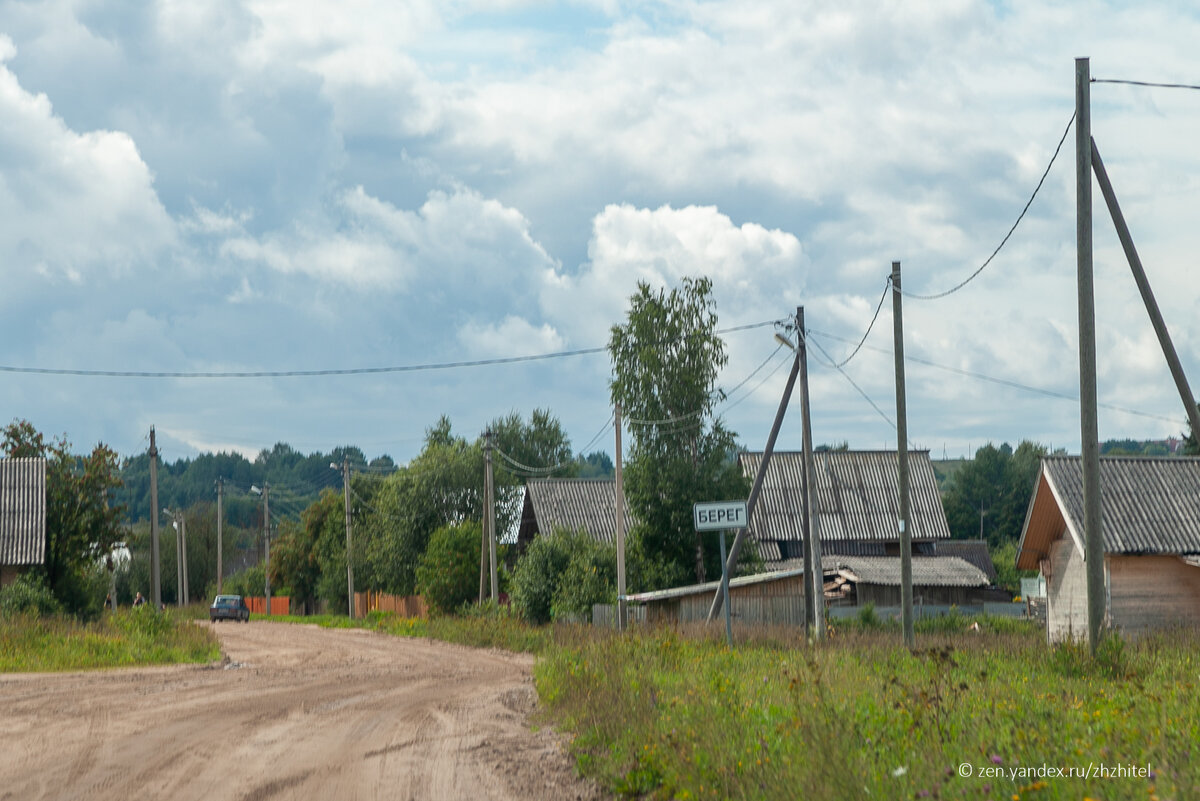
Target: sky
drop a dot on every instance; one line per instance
(269, 186)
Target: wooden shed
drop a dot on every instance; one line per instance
(762, 599)
(1150, 528)
(22, 516)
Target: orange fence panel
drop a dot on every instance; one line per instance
(280, 605)
(402, 605)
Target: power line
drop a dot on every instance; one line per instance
(887, 284)
(1005, 381)
(1147, 83)
(1003, 241)
(409, 368)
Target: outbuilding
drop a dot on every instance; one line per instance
(1150, 529)
(22, 516)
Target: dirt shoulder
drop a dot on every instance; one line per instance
(295, 712)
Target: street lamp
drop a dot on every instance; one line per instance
(179, 523)
(265, 492)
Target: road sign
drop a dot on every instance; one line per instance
(718, 515)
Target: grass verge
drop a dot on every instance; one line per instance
(128, 638)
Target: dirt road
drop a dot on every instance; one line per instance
(297, 712)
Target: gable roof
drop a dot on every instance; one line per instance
(1148, 505)
(587, 504)
(857, 496)
(22, 511)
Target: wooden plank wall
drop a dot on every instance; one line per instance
(1149, 593)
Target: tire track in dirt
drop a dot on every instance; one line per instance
(294, 712)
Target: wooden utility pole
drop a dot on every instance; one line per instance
(736, 549)
(1093, 543)
(1143, 284)
(267, 544)
(349, 550)
(220, 533)
(187, 595)
(155, 562)
(906, 590)
(622, 622)
(178, 528)
(814, 579)
(489, 491)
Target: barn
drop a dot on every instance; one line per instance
(1150, 529)
(22, 516)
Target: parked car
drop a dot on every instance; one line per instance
(229, 607)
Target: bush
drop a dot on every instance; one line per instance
(28, 595)
(562, 575)
(248, 583)
(536, 576)
(448, 572)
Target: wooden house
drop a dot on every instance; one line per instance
(22, 516)
(1150, 529)
(572, 504)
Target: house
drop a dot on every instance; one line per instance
(22, 516)
(1150, 529)
(856, 500)
(574, 504)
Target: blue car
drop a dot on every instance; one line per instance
(229, 607)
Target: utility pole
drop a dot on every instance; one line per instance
(175, 524)
(1093, 543)
(1143, 284)
(489, 493)
(906, 590)
(736, 549)
(349, 551)
(267, 542)
(814, 575)
(187, 594)
(622, 621)
(220, 540)
(155, 576)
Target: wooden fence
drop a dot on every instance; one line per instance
(280, 605)
(402, 605)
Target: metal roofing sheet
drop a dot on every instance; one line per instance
(22, 511)
(1148, 504)
(857, 496)
(577, 503)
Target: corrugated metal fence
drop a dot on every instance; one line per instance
(402, 605)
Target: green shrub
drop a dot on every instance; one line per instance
(536, 576)
(448, 572)
(28, 595)
(562, 575)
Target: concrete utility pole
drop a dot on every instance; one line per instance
(349, 550)
(814, 583)
(489, 492)
(736, 549)
(1088, 418)
(187, 596)
(906, 590)
(1143, 283)
(155, 562)
(622, 622)
(220, 537)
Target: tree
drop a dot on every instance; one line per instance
(82, 523)
(992, 492)
(541, 443)
(448, 573)
(666, 359)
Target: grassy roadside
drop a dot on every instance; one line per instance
(675, 714)
(128, 638)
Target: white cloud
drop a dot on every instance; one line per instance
(74, 205)
(513, 335)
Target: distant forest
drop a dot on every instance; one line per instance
(295, 480)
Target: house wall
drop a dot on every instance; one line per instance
(887, 595)
(766, 603)
(1149, 593)
(1066, 593)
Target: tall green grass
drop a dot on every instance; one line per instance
(130, 637)
(670, 716)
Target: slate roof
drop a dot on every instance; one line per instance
(857, 497)
(573, 504)
(1148, 505)
(927, 571)
(974, 551)
(22, 511)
